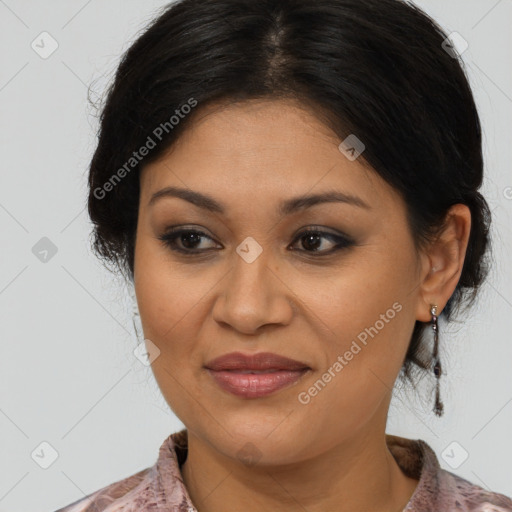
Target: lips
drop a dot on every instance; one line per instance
(263, 362)
(255, 375)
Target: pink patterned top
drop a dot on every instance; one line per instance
(161, 488)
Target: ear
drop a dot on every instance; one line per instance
(442, 262)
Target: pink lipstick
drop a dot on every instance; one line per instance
(255, 375)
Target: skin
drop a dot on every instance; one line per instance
(331, 453)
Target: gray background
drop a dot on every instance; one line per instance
(67, 372)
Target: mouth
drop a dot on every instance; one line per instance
(252, 384)
(255, 375)
(255, 363)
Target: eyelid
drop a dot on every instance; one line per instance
(342, 239)
(173, 232)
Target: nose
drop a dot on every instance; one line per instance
(254, 294)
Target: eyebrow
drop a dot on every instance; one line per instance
(287, 207)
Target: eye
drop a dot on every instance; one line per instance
(190, 240)
(312, 241)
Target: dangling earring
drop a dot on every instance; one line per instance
(135, 314)
(438, 406)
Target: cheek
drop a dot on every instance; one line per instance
(170, 308)
(361, 319)
(169, 304)
(363, 353)
(371, 289)
(170, 312)
(167, 291)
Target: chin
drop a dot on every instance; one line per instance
(255, 441)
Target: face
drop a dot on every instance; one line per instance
(247, 277)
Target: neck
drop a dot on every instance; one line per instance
(358, 474)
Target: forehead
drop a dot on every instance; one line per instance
(260, 148)
(251, 129)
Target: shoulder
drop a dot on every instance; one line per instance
(464, 495)
(159, 487)
(124, 495)
(439, 489)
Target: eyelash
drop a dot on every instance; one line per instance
(169, 239)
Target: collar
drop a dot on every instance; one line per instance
(415, 457)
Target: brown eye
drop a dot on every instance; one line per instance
(312, 241)
(185, 240)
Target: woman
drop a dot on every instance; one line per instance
(292, 188)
